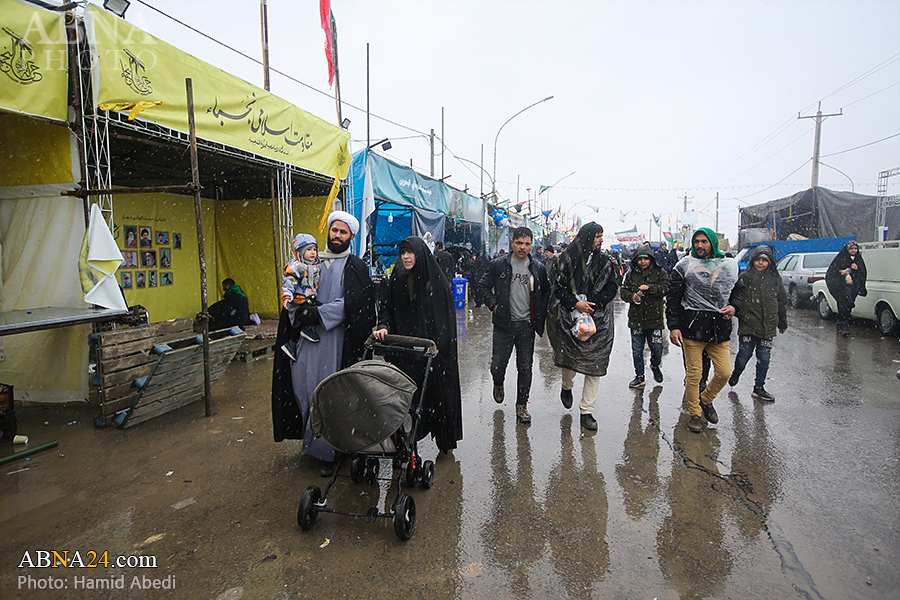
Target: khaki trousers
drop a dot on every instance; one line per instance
(588, 393)
(720, 356)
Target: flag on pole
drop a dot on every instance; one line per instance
(622, 215)
(329, 204)
(670, 239)
(656, 219)
(326, 17)
(629, 235)
(368, 207)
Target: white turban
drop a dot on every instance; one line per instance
(345, 217)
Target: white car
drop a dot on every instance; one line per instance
(882, 304)
(799, 271)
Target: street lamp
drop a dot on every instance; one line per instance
(496, 137)
(550, 187)
(483, 172)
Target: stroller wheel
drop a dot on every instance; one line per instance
(307, 513)
(427, 474)
(357, 469)
(405, 517)
(372, 468)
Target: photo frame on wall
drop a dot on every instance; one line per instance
(126, 281)
(130, 258)
(148, 258)
(131, 236)
(165, 278)
(165, 258)
(162, 238)
(176, 241)
(140, 279)
(146, 240)
(151, 278)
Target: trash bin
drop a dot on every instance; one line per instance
(460, 291)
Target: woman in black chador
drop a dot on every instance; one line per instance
(420, 304)
(846, 279)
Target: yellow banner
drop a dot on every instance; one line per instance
(33, 60)
(132, 66)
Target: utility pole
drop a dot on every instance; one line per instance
(264, 22)
(819, 118)
(717, 213)
(431, 138)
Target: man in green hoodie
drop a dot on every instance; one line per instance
(704, 294)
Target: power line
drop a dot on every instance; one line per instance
(887, 62)
(778, 130)
(274, 70)
(858, 147)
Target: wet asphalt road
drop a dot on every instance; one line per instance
(796, 499)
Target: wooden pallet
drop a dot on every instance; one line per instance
(144, 372)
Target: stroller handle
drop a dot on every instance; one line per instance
(404, 342)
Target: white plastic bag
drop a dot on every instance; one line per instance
(584, 326)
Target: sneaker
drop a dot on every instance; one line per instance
(762, 394)
(522, 415)
(290, 348)
(566, 397)
(637, 383)
(589, 422)
(498, 394)
(694, 424)
(308, 333)
(733, 380)
(709, 412)
(657, 374)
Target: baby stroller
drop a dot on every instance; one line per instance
(368, 412)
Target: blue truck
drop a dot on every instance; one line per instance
(782, 248)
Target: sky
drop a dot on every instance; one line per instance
(656, 105)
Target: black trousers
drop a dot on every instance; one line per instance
(520, 336)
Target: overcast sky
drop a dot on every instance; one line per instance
(652, 100)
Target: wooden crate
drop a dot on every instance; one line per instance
(148, 371)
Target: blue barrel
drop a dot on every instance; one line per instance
(460, 287)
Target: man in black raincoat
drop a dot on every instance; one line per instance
(583, 269)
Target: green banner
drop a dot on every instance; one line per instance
(34, 60)
(134, 70)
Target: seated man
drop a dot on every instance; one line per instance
(233, 310)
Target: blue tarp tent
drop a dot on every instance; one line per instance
(402, 202)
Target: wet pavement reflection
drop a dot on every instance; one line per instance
(795, 499)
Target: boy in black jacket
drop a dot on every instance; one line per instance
(644, 289)
(764, 311)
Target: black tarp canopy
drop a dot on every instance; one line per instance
(821, 213)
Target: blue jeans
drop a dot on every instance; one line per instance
(520, 336)
(763, 347)
(654, 339)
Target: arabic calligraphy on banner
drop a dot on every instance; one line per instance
(132, 66)
(33, 60)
